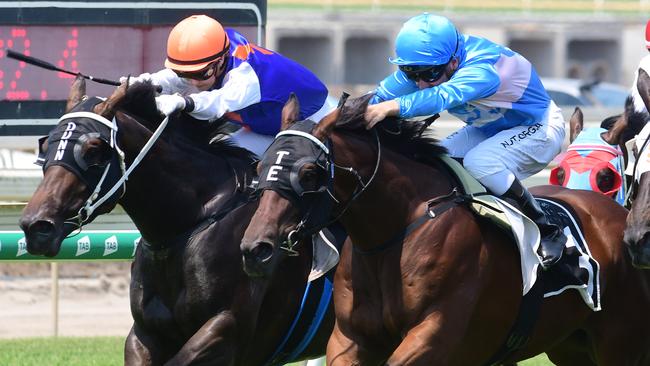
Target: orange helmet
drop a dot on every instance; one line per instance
(195, 42)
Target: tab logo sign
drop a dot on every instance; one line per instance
(22, 247)
(83, 246)
(136, 242)
(110, 245)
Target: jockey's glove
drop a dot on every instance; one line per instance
(168, 104)
(136, 79)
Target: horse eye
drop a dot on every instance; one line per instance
(96, 153)
(560, 176)
(311, 177)
(605, 180)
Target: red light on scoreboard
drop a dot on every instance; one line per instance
(103, 51)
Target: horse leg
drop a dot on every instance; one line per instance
(342, 351)
(212, 344)
(573, 351)
(141, 349)
(423, 344)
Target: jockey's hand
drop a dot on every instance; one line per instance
(136, 79)
(378, 112)
(168, 104)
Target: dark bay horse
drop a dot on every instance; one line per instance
(190, 299)
(445, 292)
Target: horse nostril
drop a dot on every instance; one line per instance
(41, 227)
(262, 252)
(39, 233)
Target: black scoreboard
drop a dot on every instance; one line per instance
(105, 39)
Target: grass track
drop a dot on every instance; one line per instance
(90, 351)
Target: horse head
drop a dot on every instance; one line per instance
(301, 194)
(595, 159)
(76, 156)
(295, 180)
(591, 161)
(637, 231)
(86, 156)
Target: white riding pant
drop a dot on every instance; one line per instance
(518, 152)
(258, 143)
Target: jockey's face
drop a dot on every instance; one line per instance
(452, 66)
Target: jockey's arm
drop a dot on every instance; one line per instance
(170, 82)
(466, 84)
(240, 89)
(393, 86)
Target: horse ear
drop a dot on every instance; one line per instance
(576, 123)
(108, 107)
(326, 125)
(290, 111)
(613, 135)
(643, 86)
(77, 92)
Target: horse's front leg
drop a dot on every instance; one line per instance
(213, 344)
(342, 351)
(141, 349)
(428, 343)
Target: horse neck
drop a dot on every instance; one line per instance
(396, 196)
(174, 187)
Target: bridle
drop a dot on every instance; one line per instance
(96, 199)
(308, 225)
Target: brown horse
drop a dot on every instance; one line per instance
(637, 232)
(191, 302)
(444, 291)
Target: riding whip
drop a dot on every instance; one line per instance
(46, 65)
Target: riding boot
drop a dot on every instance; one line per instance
(552, 238)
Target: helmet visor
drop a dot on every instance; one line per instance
(425, 73)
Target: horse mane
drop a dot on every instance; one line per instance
(635, 120)
(404, 136)
(140, 103)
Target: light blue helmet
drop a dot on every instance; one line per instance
(426, 39)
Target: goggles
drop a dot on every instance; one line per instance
(425, 73)
(203, 74)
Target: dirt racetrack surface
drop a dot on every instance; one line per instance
(93, 299)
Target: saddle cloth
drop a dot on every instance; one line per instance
(577, 269)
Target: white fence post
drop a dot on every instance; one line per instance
(54, 275)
